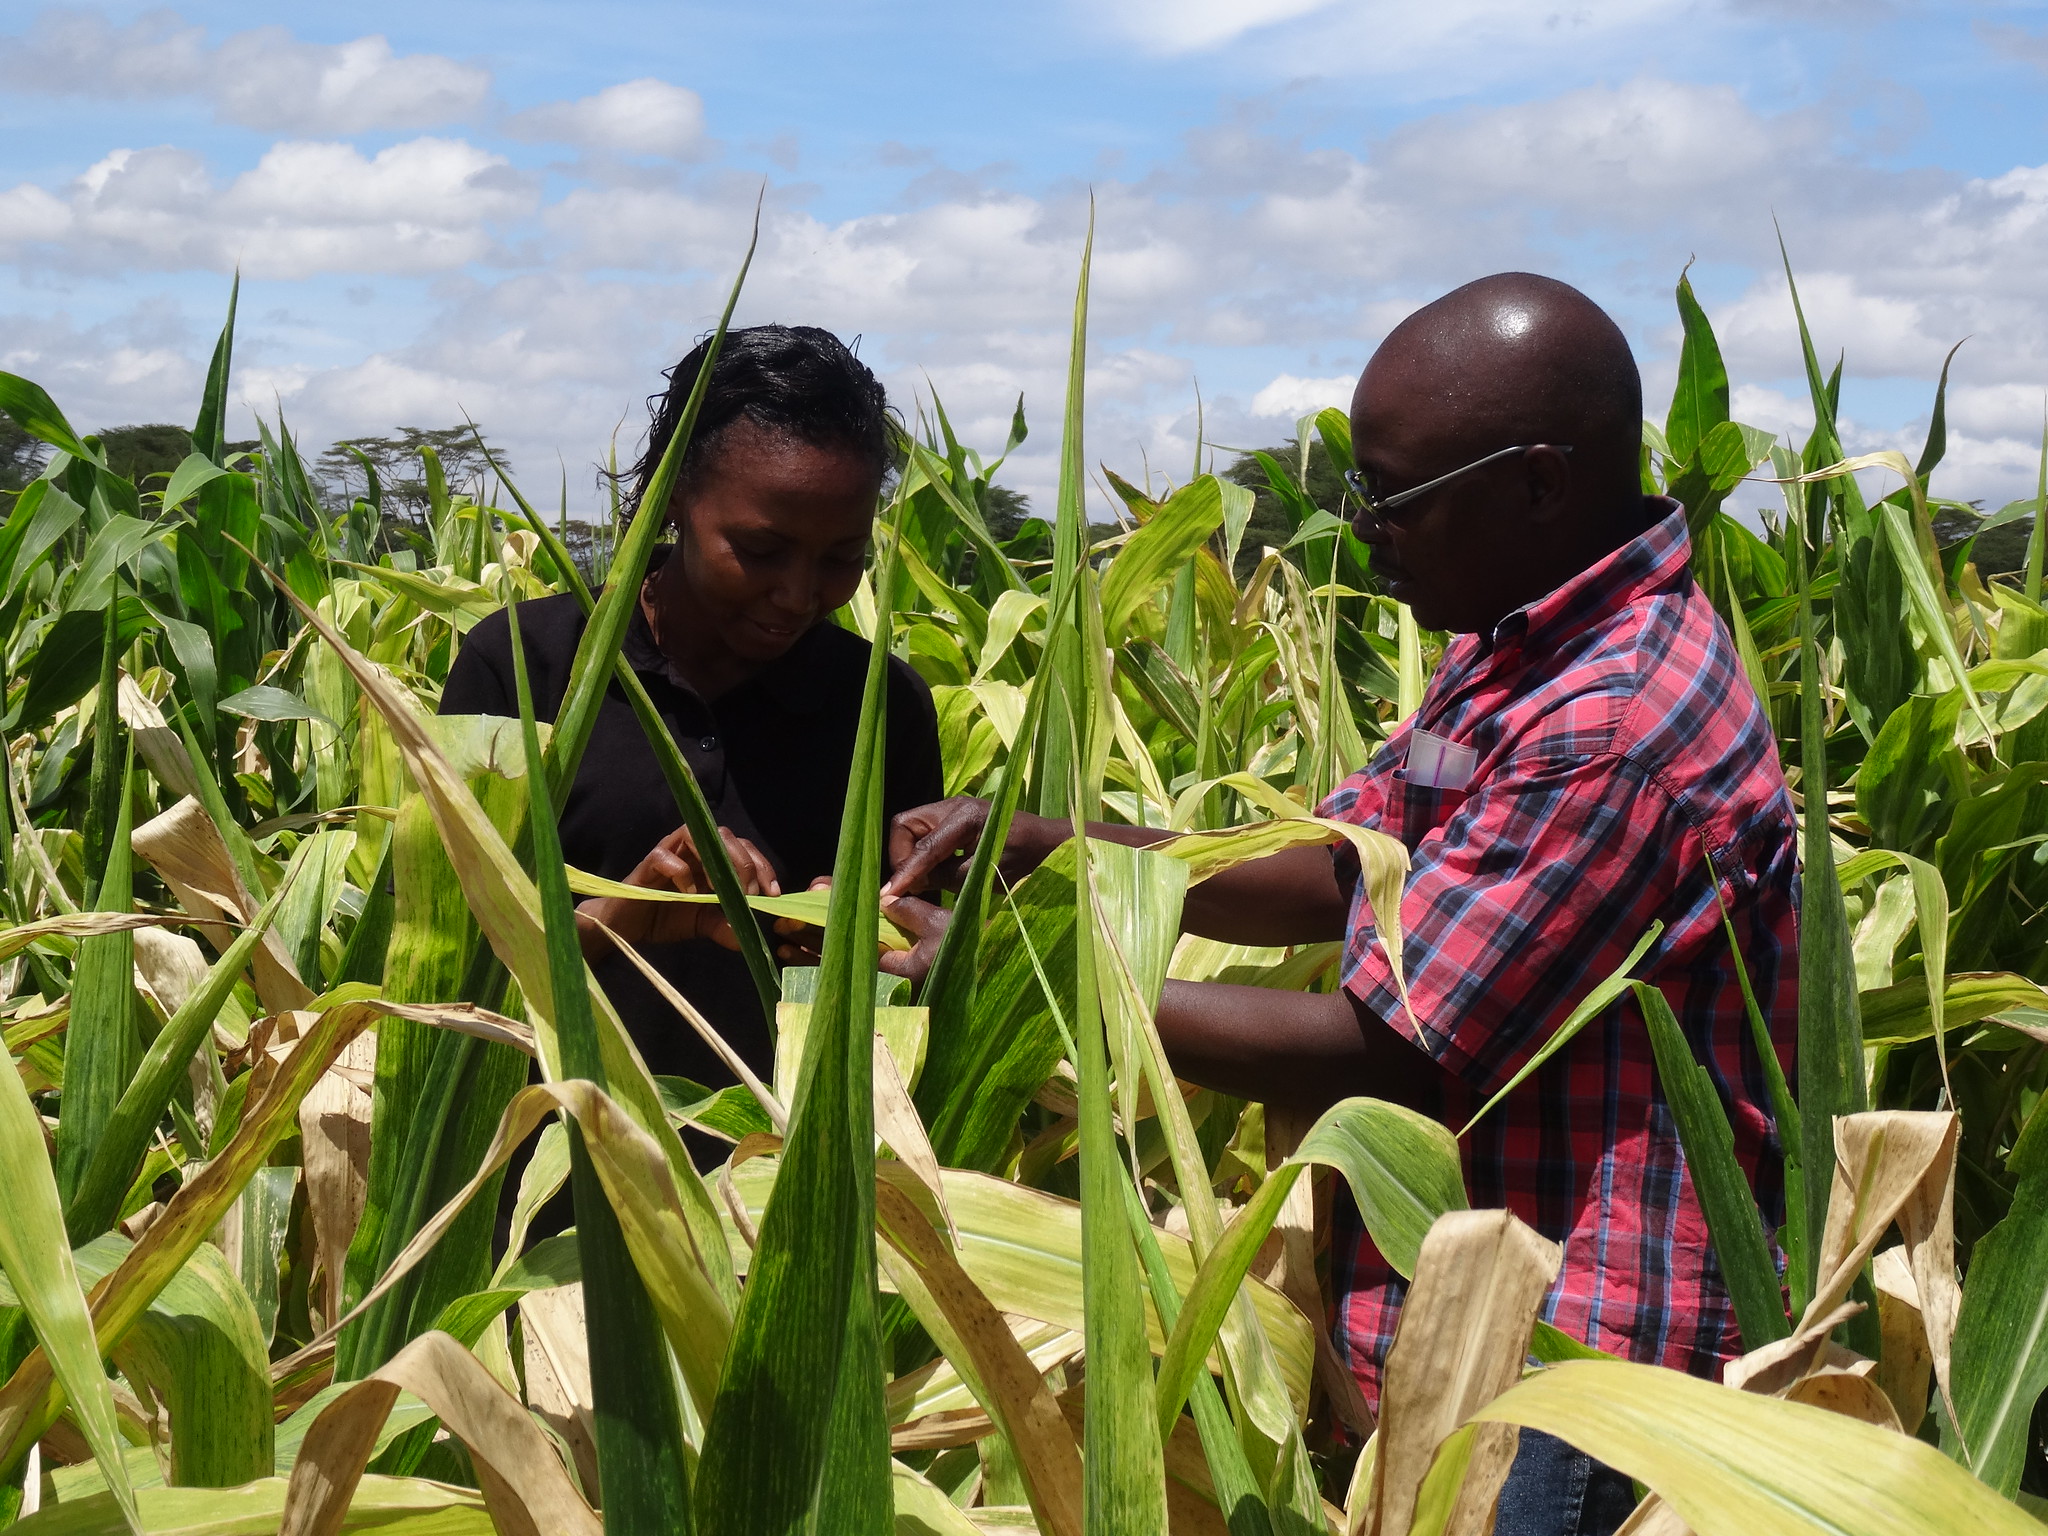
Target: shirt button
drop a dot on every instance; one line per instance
(709, 744)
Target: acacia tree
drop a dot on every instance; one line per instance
(401, 476)
(21, 459)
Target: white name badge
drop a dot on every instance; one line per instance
(1437, 763)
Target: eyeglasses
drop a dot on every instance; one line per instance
(1377, 507)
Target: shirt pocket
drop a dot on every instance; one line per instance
(1420, 809)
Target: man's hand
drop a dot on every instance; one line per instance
(1290, 897)
(674, 864)
(926, 924)
(929, 845)
(802, 944)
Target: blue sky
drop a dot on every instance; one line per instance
(525, 211)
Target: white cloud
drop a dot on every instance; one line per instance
(425, 205)
(1294, 398)
(264, 78)
(1442, 50)
(639, 117)
(1600, 146)
(548, 308)
(1184, 26)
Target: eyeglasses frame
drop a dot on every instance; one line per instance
(1377, 507)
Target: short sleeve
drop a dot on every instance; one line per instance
(479, 677)
(915, 772)
(1522, 898)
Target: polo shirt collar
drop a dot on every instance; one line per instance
(1650, 560)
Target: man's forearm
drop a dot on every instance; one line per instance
(1285, 898)
(1304, 1050)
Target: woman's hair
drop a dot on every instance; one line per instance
(794, 379)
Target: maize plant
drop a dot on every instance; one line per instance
(288, 974)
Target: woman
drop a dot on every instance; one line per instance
(734, 642)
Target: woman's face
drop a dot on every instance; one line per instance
(772, 540)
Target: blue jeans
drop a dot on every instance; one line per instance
(1554, 1490)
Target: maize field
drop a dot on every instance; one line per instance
(279, 950)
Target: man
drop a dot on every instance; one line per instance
(1587, 745)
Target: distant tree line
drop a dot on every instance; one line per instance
(147, 454)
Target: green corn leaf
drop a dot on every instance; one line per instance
(2000, 1362)
(1125, 1488)
(388, 1506)
(1936, 446)
(186, 479)
(199, 1348)
(1236, 1489)
(1717, 1178)
(1699, 403)
(1202, 1311)
(799, 1417)
(1831, 1080)
(1163, 546)
(1403, 1169)
(424, 960)
(937, 474)
(1784, 1111)
(41, 516)
(1906, 532)
(104, 1043)
(1125, 1468)
(124, 1135)
(113, 544)
(113, 756)
(265, 1212)
(1404, 1172)
(981, 1072)
(37, 1262)
(1739, 1464)
(638, 1419)
(69, 658)
(1931, 912)
(37, 414)
(1137, 895)
(1594, 1004)
(209, 433)
(1901, 1012)
(965, 1100)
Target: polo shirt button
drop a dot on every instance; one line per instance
(709, 744)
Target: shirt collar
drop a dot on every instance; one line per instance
(1649, 560)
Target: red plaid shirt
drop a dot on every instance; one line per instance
(1618, 742)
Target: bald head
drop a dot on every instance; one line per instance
(1517, 358)
(1513, 360)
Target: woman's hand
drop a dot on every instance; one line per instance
(800, 942)
(674, 865)
(929, 845)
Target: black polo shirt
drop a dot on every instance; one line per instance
(772, 756)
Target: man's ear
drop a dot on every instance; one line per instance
(1548, 472)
